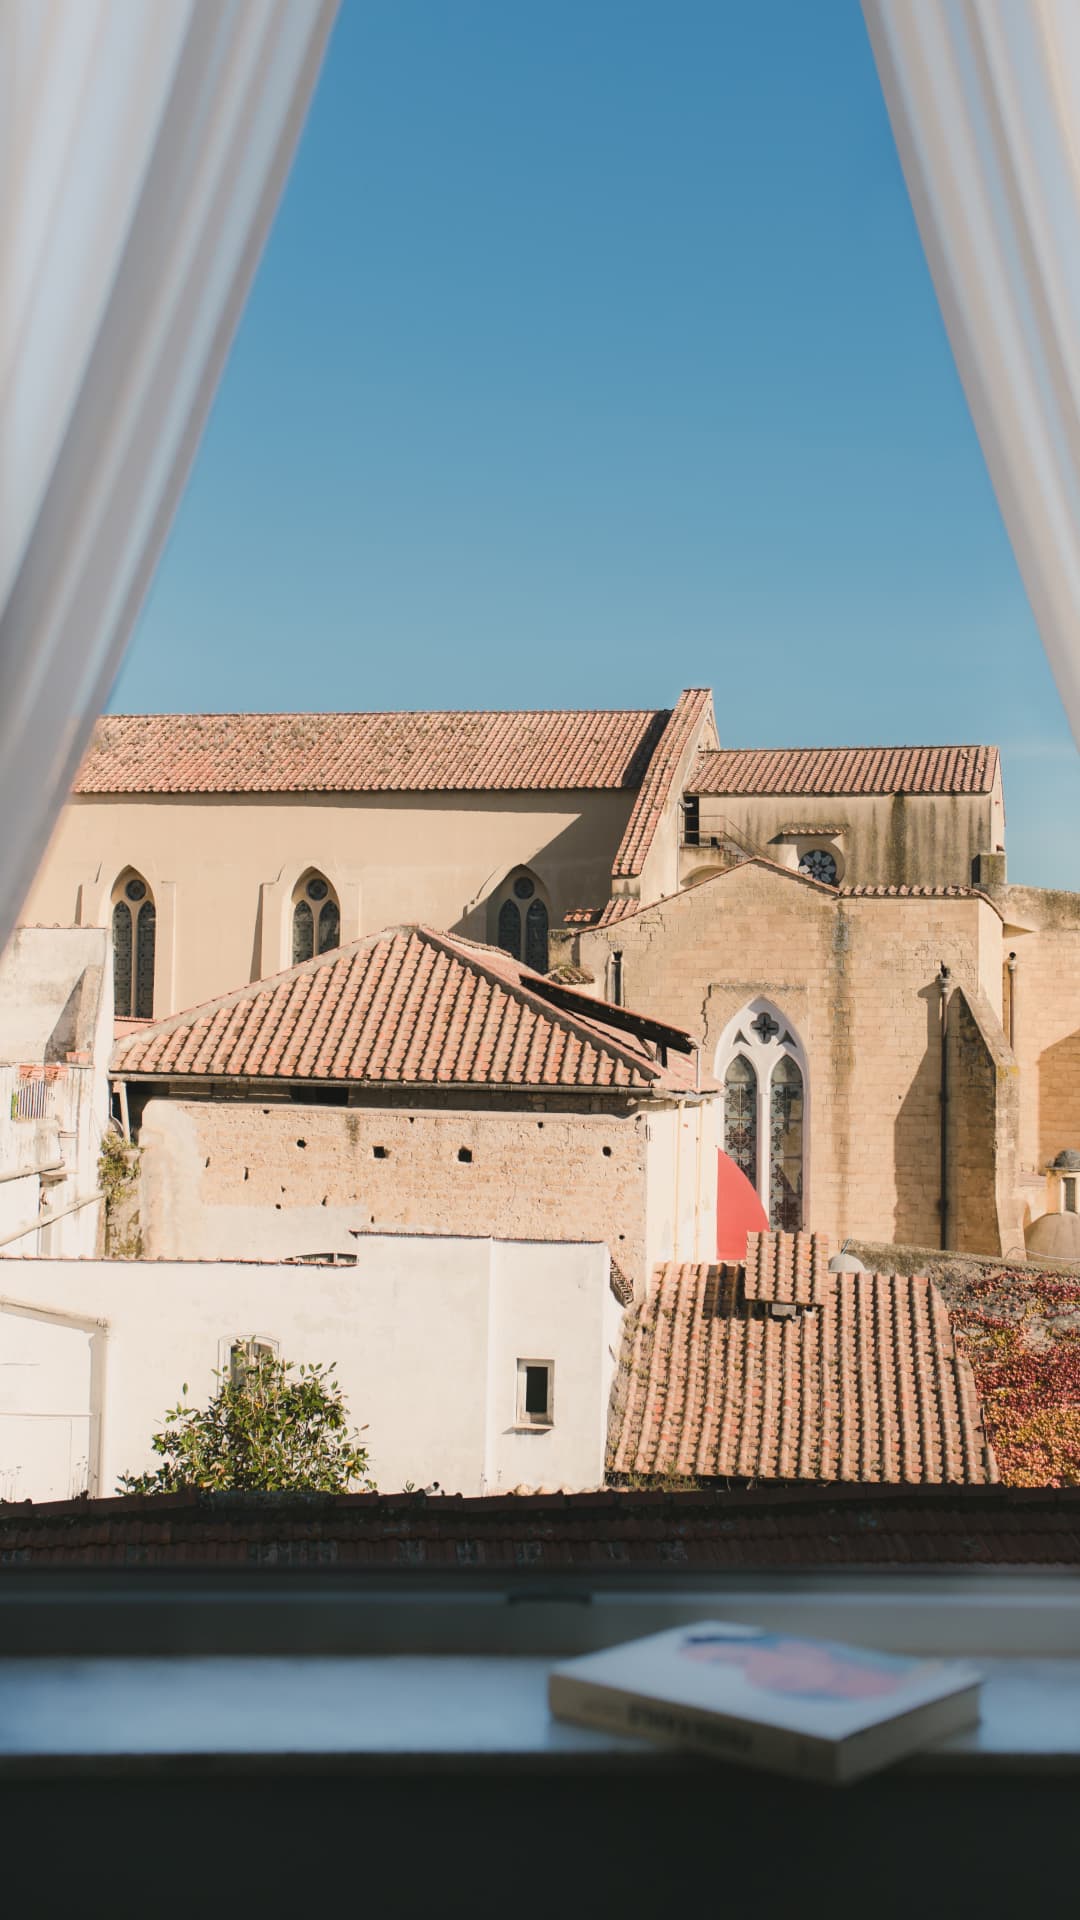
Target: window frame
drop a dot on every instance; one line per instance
(738, 1041)
(524, 1420)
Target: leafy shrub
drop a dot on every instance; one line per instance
(272, 1426)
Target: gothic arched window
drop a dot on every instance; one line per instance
(134, 931)
(316, 924)
(762, 1067)
(522, 919)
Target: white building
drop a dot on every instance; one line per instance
(481, 1364)
(55, 1039)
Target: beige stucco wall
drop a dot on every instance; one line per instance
(1043, 930)
(858, 982)
(426, 1334)
(888, 840)
(240, 1180)
(222, 868)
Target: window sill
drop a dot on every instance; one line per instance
(273, 1672)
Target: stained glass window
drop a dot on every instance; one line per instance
(145, 943)
(524, 888)
(819, 864)
(536, 937)
(785, 1146)
(329, 926)
(510, 929)
(121, 933)
(303, 933)
(740, 1116)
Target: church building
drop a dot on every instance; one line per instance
(894, 1028)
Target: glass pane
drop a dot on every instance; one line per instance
(303, 933)
(536, 937)
(785, 1146)
(329, 927)
(740, 1116)
(510, 929)
(121, 933)
(317, 888)
(145, 942)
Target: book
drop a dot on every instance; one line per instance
(811, 1708)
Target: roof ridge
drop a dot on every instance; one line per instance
(568, 1022)
(364, 713)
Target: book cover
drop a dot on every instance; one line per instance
(812, 1708)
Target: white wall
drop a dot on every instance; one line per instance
(426, 1333)
(55, 1009)
(681, 1182)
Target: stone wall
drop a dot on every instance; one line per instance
(983, 1216)
(241, 1180)
(859, 982)
(1043, 930)
(885, 839)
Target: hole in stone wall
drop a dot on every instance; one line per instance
(207, 1161)
(324, 1199)
(607, 1153)
(301, 1143)
(464, 1154)
(539, 1123)
(245, 1173)
(380, 1153)
(277, 1209)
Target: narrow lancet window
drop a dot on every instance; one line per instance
(740, 1116)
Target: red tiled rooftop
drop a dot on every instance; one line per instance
(410, 1007)
(602, 1533)
(848, 770)
(693, 708)
(370, 752)
(866, 1387)
(789, 1268)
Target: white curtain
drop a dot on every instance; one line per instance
(984, 99)
(143, 148)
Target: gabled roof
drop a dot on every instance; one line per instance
(371, 752)
(691, 711)
(622, 906)
(848, 770)
(866, 1386)
(413, 1007)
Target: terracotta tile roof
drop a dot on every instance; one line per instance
(600, 1533)
(370, 752)
(612, 910)
(789, 1268)
(408, 1007)
(913, 893)
(691, 710)
(866, 1387)
(806, 770)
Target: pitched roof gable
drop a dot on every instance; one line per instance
(371, 752)
(408, 1007)
(865, 1386)
(692, 710)
(847, 770)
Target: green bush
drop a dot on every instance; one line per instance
(271, 1426)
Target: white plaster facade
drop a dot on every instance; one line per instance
(427, 1334)
(55, 1040)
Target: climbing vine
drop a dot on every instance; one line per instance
(118, 1173)
(1021, 1334)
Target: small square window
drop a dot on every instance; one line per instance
(535, 1394)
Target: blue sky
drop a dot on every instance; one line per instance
(593, 355)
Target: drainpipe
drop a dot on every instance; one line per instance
(1011, 965)
(944, 983)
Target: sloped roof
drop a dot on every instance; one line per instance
(371, 752)
(558, 1533)
(410, 1007)
(788, 1268)
(691, 710)
(865, 1387)
(849, 770)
